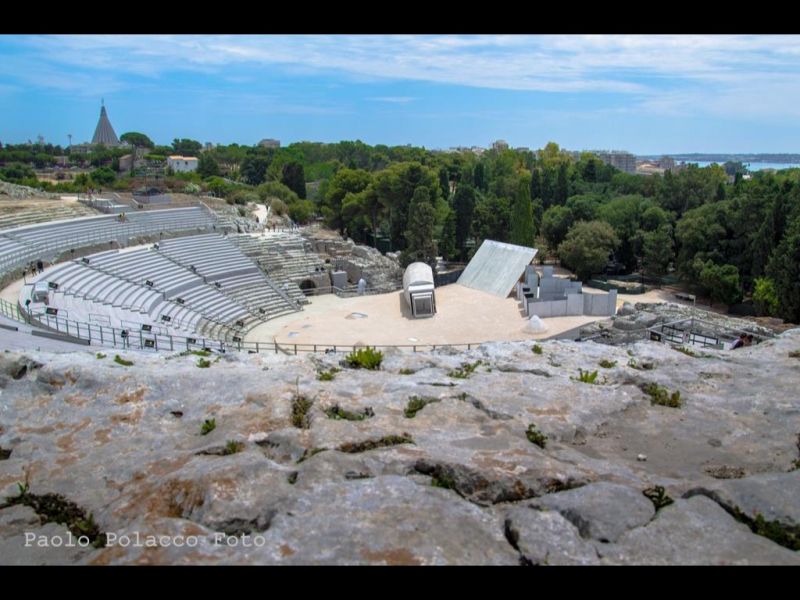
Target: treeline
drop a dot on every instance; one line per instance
(732, 238)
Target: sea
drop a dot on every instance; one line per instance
(753, 166)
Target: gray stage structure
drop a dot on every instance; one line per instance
(497, 267)
(548, 296)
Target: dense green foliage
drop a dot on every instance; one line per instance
(715, 227)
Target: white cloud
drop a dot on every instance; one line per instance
(392, 99)
(659, 73)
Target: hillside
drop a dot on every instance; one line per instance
(459, 483)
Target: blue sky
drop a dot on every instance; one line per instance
(646, 94)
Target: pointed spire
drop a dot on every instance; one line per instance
(104, 132)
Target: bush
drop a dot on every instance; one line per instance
(416, 404)
(535, 436)
(121, 361)
(364, 358)
(300, 411)
(208, 426)
(537, 349)
(660, 395)
(203, 363)
(586, 376)
(607, 364)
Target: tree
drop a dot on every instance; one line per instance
(463, 209)
(765, 297)
(479, 177)
(301, 211)
(657, 251)
(207, 165)
(254, 169)
(556, 222)
(447, 242)
(103, 176)
(721, 282)
(137, 140)
(345, 181)
(587, 247)
(444, 182)
(522, 227)
(294, 178)
(536, 184)
(420, 245)
(784, 270)
(186, 147)
(561, 191)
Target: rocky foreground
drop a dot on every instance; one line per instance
(435, 459)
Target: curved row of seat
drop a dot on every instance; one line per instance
(200, 284)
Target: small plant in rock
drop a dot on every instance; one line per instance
(641, 366)
(658, 496)
(300, 411)
(686, 351)
(232, 447)
(465, 370)
(208, 426)
(660, 395)
(328, 375)
(416, 404)
(204, 352)
(336, 412)
(443, 480)
(203, 363)
(535, 436)
(387, 440)
(608, 364)
(309, 453)
(586, 377)
(121, 361)
(364, 358)
(99, 356)
(406, 371)
(786, 536)
(537, 349)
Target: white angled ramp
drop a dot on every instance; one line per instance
(496, 267)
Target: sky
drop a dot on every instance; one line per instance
(648, 94)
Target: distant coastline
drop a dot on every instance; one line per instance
(722, 158)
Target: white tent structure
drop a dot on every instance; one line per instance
(418, 290)
(496, 267)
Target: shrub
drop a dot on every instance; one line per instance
(364, 358)
(535, 436)
(203, 363)
(537, 349)
(336, 412)
(406, 371)
(607, 364)
(658, 497)
(586, 376)
(232, 447)
(208, 426)
(660, 395)
(121, 361)
(465, 370)
(328, 375)
(416, 404)
(100, 355)
(387, 440)
(300, 411)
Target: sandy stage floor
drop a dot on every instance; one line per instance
(465, 316)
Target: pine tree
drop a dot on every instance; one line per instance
(420, 245)
(522, 231)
